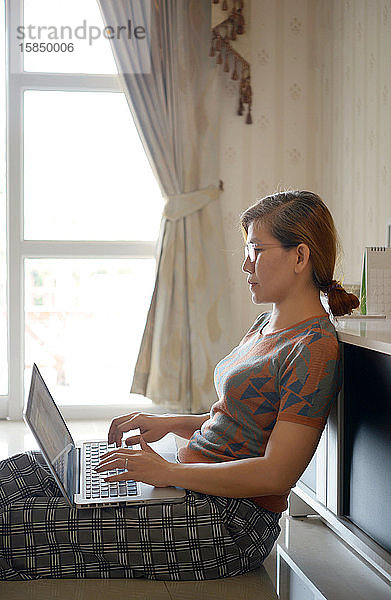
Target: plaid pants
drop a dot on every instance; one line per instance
(202, 537)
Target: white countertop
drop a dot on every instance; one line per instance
(374, 334)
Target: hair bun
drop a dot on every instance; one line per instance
(334, 285)
(340, 301)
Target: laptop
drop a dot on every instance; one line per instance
(72, 464)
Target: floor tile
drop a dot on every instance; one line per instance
(252, 586)
(82, 589)
(16, 437)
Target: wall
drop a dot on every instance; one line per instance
(353, 72)
(321, 76)
(277, 150)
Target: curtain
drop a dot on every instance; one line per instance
(173, 96)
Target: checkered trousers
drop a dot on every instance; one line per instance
(202, 537)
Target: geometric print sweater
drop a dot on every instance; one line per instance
(293, 374)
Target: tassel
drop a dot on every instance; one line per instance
(220, 45)
(226, 63)
(240, 27)
(235, 74)
(248, 93)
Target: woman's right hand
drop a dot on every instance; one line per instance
(152, 428)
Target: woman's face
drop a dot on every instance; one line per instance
(271, 275)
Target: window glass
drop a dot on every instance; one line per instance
(3, 220)
(62, 22)
(86, 174)
(84, 320)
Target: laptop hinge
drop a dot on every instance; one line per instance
(78, 471)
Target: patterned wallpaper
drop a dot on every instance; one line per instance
(321, 73)
(353, 78)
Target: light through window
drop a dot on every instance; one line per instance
(83, 197)
(86, 175)
(3, 230)
(84, 320)
(59, 22)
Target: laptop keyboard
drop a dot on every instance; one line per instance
(59, 466)
(96, 487)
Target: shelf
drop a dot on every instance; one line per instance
(374, 334)
(354, 537)
(325, 566)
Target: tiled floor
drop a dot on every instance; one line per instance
(254, 586)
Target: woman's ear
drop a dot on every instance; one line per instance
(302, 257)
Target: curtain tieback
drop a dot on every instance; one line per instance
(178, 206)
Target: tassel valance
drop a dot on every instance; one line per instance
(223, 35)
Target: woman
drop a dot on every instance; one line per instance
(275, 392)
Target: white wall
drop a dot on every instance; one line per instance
(321, 76)
(353, 71)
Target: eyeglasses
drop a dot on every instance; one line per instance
(252, 250)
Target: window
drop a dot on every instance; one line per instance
(83, 159)
(3, 229)
(64, 16)
(84, 211)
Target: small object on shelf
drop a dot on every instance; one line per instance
(375, 295)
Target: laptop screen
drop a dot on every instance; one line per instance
(51, 433)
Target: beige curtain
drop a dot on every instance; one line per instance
(175, 107)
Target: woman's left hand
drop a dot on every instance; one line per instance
(140, 465)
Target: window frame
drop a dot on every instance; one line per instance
(18, 249)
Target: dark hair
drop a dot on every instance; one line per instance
(295, 217)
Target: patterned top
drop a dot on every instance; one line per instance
(291, 375)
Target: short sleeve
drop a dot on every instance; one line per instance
(309, 381)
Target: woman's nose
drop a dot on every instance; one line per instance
(247, 265)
